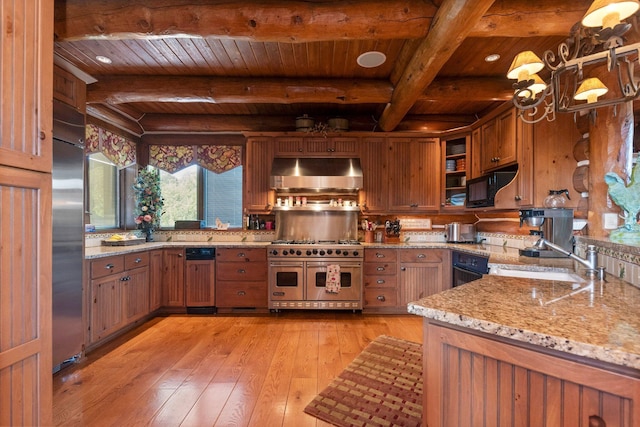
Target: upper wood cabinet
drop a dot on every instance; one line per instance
(498, 142)
(520, 192)
(414, 174)
(316, 146)
(374, 160)
(69, 89)
(258, 197)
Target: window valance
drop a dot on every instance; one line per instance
(118, 149)
(216, 158)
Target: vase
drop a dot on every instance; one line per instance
(148, 234)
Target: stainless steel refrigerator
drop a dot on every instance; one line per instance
(68, 234)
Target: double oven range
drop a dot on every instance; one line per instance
(298, 274)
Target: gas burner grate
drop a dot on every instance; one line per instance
(348, 242)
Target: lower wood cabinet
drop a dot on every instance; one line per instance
(200, 283)
(473, 379)
(155, 279)
(173, 277)
(119, 293)
(241, 278)
(423, 272)
(379, 279)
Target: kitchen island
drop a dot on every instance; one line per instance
(516, 351)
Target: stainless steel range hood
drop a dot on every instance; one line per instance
(326, 175)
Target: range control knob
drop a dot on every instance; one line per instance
(274, 252)
(345, 253)
(338, 251)
(298, 252)
(315, 252)
(308, 252)
(355, 253)
(321, 252)
(329, 251)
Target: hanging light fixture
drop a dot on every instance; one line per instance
(595, 44)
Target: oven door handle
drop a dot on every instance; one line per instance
(286, 264)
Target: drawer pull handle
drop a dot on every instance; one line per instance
(379, 281)
(379, 255)
(422, 256)
(241, 254)
(403, 268)
(180, 255)
(109, 266)
(278, 294)
(138, 260)
(596, 421)
(241, 293)
(125, 279)
(381, 298)
(380, 268)
(241, 271)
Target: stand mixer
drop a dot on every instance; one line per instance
(554, 225)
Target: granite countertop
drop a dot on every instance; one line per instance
(94, 252)
(598, 319)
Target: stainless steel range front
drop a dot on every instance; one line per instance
(298, 272)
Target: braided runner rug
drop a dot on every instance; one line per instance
(382, 386)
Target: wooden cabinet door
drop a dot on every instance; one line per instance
(344, 146)
(106, 306)
(135, 294)
(318, 147)
(200, 283)
(414, 175)
(423, 272)
(475, 156)
(155, 280)
(488, 150)
(173, 278)
(506, 143)
(474, 380)
(288, 146)
(258, 197)
(374, 160)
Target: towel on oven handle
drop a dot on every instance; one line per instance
(333, 279)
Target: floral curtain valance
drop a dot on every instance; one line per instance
(118, 149)
(216, 158)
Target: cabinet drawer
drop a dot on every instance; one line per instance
(379, 281)
(379, 268)
(106, 266)
(239, 254)
(380, 297)
(241, 271)
(380, 255)
(238, 295)
(421, 255)
(139, 259)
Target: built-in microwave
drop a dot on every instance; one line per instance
(481, 192)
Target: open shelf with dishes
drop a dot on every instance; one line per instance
(454, 176)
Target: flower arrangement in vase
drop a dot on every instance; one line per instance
(149, 201)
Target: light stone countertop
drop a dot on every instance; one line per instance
(95, 252)
(598, 320)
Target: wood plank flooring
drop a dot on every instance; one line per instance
(219, 370)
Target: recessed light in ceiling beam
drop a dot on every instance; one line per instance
(104, 59)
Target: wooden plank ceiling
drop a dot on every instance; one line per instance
(214, 66)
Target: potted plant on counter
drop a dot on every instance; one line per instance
(149, 201)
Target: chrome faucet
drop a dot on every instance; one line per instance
(591, 261)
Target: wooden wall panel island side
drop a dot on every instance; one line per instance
(512, 351)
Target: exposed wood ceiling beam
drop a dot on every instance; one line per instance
(274, 21)
(119, 90)
(450, 27)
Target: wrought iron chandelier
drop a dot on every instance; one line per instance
(594, 43)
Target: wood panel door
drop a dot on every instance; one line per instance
(25, 212)
(258, 197)
(106, 307)
(475, 380)
(374, 159)
(199, 283)
(135, 294)
(155, 279)
(414, 174)
(173, 278)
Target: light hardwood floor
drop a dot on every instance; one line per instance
(219, 370)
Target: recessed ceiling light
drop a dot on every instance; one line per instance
(104, 59)
(492, 58)
(371, 59)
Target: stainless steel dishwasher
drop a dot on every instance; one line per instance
(467, 267)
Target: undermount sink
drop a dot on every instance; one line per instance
(542, 275)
